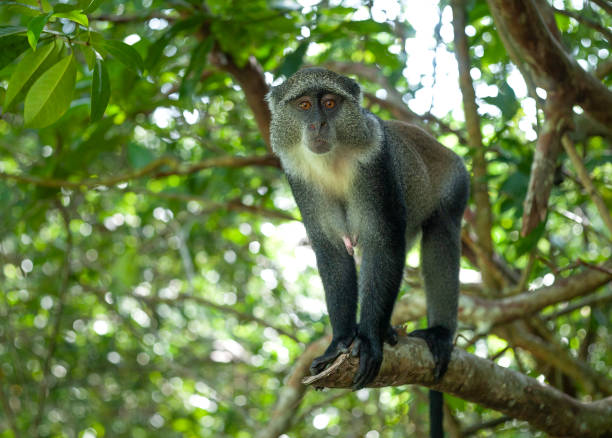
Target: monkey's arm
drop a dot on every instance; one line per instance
(383, 243)
(338, 274)
(379, 281)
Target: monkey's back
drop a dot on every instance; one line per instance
(428, 168)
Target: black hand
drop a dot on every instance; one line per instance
(335, 349)
(369, 351)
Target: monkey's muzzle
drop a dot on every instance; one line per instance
(319, 145)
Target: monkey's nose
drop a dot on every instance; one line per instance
(314, 127)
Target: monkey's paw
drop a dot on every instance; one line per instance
(335, 349)
(370, 355)
(440, 343)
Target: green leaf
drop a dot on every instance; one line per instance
(11, 30)
(196, 65)
(29, 68)
(95, 4)
(100, 90)
(22, 8)
(124, 53)
(155, 50)
(293, 61)
(51, 94)
(12, 44)
(505, 101)
(529, 242)
(139, 156)
(90, 55)
(64, 7)
(35, 27)
(75, 16)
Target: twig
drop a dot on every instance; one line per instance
(152, 169)
(598, 27)
(585, 180)
(44, 385)
(8, 412)
(335, 396)
(490, 424)
(593, 301)
(221, 307)
(131, 18)
(604, 4)
(233, 205)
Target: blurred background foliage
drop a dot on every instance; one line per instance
(140, 297)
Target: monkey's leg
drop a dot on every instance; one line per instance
(440, 252)
(380, 277)
(337, 271)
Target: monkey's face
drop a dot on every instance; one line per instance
(317, 113)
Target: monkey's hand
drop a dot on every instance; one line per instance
(440, 343)
(335, 349)
(369, 350)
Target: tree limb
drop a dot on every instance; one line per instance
(579, 18)
(553, 68)
(152, 170)
(481, 381)
(292, 393)
(480, 188)
(585, 179)
(483, 312)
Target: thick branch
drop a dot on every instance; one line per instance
(251, 78)
(554, 69)
(472, 120)
(487, 312)
(483, 382)
(553, 354)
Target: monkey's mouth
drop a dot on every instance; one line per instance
(319, 145)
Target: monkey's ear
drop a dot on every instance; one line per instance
(352, 87)
(273, 97)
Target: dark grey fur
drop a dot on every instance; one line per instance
(362, 181)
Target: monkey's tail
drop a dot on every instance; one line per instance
(436, 414)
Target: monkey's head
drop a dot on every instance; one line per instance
(318, 110)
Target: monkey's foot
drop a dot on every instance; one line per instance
(335, 349)
(391, 336)
(440, 343)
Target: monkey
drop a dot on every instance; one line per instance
(362, 182)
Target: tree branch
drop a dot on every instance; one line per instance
(292, 393)
(585, 180)
(43, 393)
(553, 68)
(479, 311)
(473, 379)
(557, 116)
(152, 169)
(251, 79)
(580, 19)
(480, 188)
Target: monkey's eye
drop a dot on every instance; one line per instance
(304, 105)
(329, 103)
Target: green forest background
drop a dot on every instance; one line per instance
(156, 280)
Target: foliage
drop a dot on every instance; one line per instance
(142, 297)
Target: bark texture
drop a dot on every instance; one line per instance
(470, 378)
